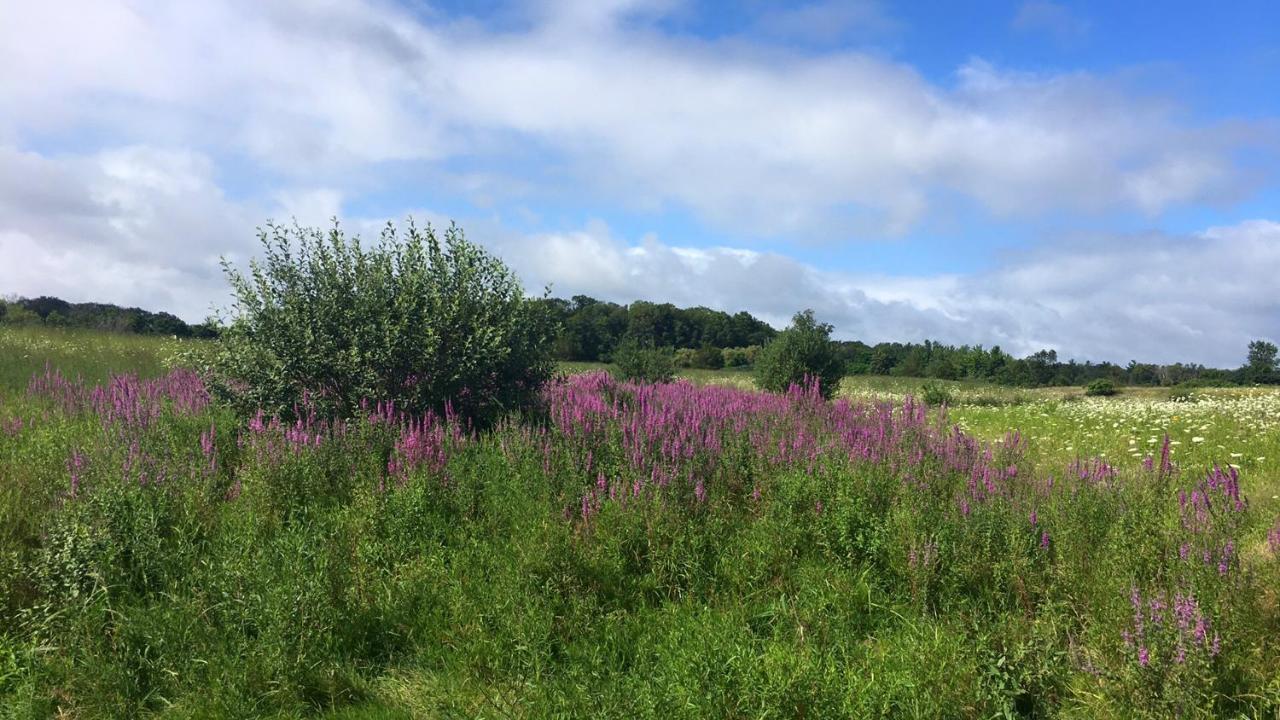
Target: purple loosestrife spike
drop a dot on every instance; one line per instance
(1144, 656)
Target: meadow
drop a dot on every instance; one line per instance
(694, 549)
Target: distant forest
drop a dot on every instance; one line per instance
(55, 312)
(591, 330)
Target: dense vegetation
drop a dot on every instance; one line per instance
(651, 550)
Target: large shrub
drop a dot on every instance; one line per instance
(1102, 387)
(324, 321)
(708, 357)
(740, 357)
(641, 362)
(801, 352)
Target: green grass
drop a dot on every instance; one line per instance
(264, 579)
(89, 354)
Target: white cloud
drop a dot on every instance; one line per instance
(135, 225)
(754, 140)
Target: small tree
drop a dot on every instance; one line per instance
(415, 320)
(803, 350)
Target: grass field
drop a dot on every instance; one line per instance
(688, 550)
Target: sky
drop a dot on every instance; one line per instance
(1095, 178)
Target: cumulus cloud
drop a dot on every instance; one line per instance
(757, 141)
(137, 225)
(146, 226)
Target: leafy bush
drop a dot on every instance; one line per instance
(321, 320)
(802, 351)
(1101, 387)
(740, 357)
(708, 357)
(935, 394)
(683, 357)
(638, 362)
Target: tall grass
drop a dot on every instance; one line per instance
(676, 550)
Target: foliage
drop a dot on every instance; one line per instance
(638, 362)
(802, 352)
(1101, 387)
(412, 321)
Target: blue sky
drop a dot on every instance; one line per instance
(1098, 178)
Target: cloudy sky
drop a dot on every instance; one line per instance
(1098, 178)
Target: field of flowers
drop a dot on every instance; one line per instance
(683, 550)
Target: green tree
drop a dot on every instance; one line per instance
(802, 351)
(413, 320)
(1261, 364)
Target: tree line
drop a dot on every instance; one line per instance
(592, 330)
(973, 362)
